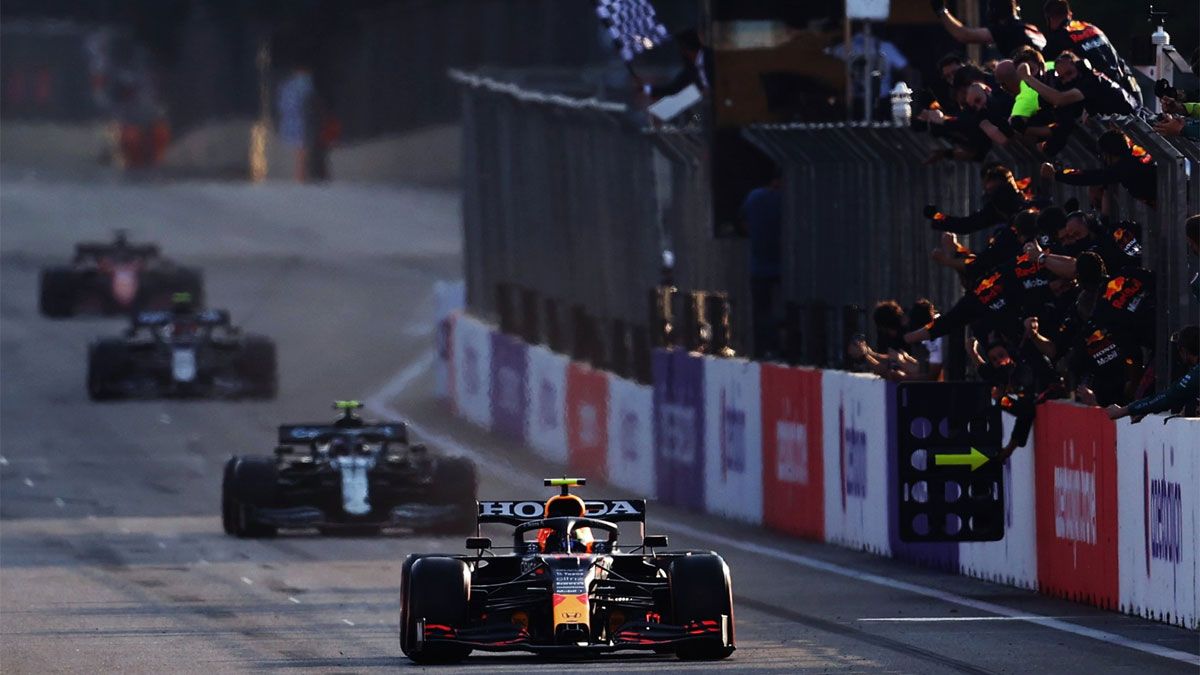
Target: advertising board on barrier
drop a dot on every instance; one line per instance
(1076, 470)
(472, 353)
(510, 365)
(1012, 560)
(733, 439)
(793, 477)
(546, 420)
(587, 421)
(1158, 475)
(854, 426)
(631, 436)
(679, 428)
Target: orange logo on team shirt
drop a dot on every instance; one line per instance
(1140, 153)
(989, 288)
(1114, 287)
(1095, 337)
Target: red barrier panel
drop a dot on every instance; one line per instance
(1076, 475)
(587, 421)
(792, 469)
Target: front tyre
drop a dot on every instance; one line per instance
(701, 591)
(255, 482)
(436, 590)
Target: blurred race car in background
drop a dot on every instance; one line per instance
(182, 353)
(349, 476)
(115, 278)
(567, 588)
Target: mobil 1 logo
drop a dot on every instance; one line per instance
(950, 487)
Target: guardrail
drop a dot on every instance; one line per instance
(1095, 511)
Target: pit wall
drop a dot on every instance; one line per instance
(1097, 512)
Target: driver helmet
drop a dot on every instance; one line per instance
(565, 506)
(340, 447)
(182, 303)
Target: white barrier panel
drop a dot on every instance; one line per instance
(733, 485)
(1012, 560)
(546, 423)
(1158, 522)
(855, 431)
(472, 355)
(449, 297)
(631, 436)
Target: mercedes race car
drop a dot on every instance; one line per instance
(566, 588)
(115, 278)
(182, 354)
(348, 476)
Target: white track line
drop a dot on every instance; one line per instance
(943, 619)
(378, 405)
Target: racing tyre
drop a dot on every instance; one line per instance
(701, 591)
(258, 366)
(434, 589)
(255, 483)
(455, 484)
(55, 291)
(108, 363)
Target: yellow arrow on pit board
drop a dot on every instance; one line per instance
(974, 459)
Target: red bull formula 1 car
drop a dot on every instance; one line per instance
(567, 587)
(115, 278)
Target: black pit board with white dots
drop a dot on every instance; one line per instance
(951, 486)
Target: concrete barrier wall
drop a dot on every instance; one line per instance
(1097, 512)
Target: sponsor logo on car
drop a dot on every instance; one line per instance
(535, 509)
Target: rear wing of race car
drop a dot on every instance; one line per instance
(207, 317)
(517, 512)
(293, 434)
(86, 250)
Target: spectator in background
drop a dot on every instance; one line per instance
(761, 219)
(889, 63)
(993, 107)
(1124, 163)
(1087, 41)
(1004, 27)
(1081, 89)
(1178, 118)
(297, 104)
(929, 354)
(1022, 378)
(1181, 396)
(1002, 199)
(889, 320)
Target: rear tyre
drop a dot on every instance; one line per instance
(255, 484)
(701, 591)
(108, 364)
(55, 292)
(257, 365)
(229, 513)
(434, 589)
(454, 484)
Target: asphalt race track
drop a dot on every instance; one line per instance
(112, 556)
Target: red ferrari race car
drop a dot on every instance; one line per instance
(567, 587)
(116, 278)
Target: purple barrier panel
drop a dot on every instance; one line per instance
(679, 428)
(940, 556)
(510, 368)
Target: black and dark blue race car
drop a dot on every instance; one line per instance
(348, 476)
(566, 587)
(182, 352)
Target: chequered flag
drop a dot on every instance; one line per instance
(632, 24)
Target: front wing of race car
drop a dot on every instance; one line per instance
(633, 635)
(407, 516)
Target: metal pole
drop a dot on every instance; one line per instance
(849, 69)
(1163, 68)
(868, 70)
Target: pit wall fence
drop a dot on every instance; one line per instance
(1097, 512)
